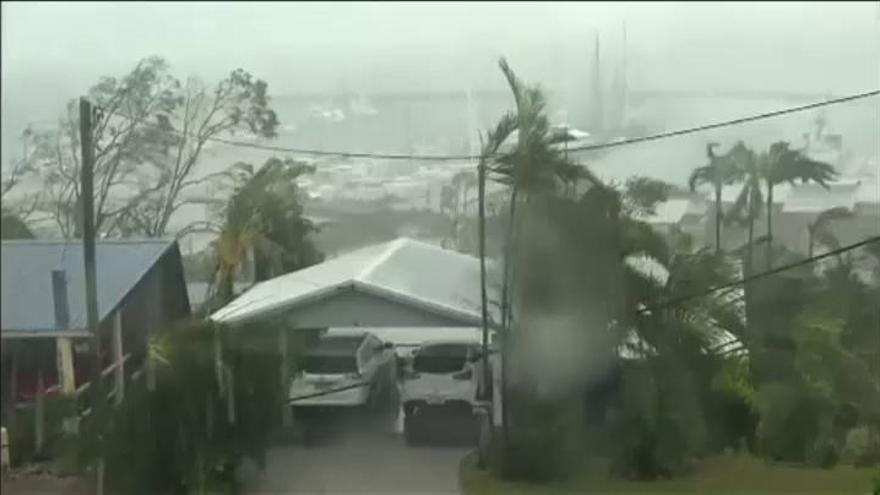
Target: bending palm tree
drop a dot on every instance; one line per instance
(748, 203)
(783, 164)
(263, 217)
(533, 167)
(719, 172)
(502, 131)
(746, 210)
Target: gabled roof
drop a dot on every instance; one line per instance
(27, 265)
(421, 276)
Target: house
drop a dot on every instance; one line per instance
(688, 214)
(140, 288)
(404, 284)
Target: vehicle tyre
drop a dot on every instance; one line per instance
(411, 430)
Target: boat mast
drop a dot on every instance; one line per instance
(597, 89)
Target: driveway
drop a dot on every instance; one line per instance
(359, 456)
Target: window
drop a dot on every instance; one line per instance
(324, 364)
(446, 358)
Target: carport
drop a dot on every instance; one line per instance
(399, 284)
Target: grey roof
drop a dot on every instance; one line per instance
(420, 275)
(27, 284)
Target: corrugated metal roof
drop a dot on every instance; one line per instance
(404, 270)
(27, 286)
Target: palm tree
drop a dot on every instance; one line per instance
(719, 172)
(818, 229)
(490, 145)
(783, 164)
(748, 203)
(263, 218)
(533, 167)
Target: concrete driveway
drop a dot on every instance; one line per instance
(359, 455)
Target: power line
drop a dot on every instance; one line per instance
(592, 147)
(728, 123)
(767, 273)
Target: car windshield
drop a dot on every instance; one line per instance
(440, 359)
(318, 364)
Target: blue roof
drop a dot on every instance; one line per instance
(27, 278)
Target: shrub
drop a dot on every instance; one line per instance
(178, 437)
(22, 435)
(544, 441)
(659, 428)
(862, 447)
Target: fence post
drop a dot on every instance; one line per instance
(286, 419)
(119, 373)
(4, 450)
(40, 414)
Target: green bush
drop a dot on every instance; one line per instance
(22, 435)
(544, 441)
(178, 437)
(659, 428)
(862, 446)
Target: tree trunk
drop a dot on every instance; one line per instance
(809, 241)
(481, 191)
(505, 320)
(718, 219)
(769, 249)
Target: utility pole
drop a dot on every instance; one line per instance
(87, 196)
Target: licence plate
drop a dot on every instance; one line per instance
(434, 400)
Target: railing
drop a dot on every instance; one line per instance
(82, 398)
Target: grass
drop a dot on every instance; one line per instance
(716, 476)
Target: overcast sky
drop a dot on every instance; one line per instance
(54, 51)
(392, 46)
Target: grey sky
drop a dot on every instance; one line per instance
(374, 46)
(54, 51)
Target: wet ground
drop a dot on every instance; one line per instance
(361, 452)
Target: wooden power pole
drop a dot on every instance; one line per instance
(87, 200)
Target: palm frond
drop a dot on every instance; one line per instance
(700, 175)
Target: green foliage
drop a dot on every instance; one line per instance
(660, 427)
(180, 437)
(545, 443)
(264, 217)
(862, 447)
(644, 193)
(22, 435)
(13, 227)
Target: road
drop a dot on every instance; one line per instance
(359, 457)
